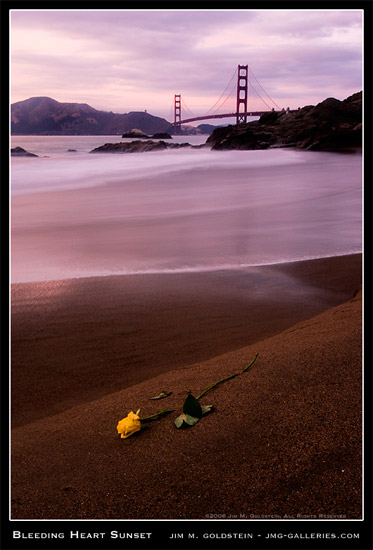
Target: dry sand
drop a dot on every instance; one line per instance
(284, 438)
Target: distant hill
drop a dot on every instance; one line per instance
(209, 128)
(46, 116)
(201, 129)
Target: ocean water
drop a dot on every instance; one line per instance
(76, 214)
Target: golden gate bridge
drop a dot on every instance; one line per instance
(244, 87)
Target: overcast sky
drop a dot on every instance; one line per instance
(125, 61)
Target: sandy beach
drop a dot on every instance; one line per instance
(283, 438)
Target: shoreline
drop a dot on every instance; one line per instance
(283, 439)
(199, 269)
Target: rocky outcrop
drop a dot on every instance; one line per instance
(19, 152)
(332, 125)
(162, 135)
(135, 133)
(138, 147)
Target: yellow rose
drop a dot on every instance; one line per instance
(129, 425)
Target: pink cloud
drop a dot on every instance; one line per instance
(128, 60)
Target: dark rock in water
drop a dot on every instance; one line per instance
(137, 147)
(72, 151)
(162, 135)
(135, 133)
(19, 152)
(332, 125)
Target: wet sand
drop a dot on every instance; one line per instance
(283, 439)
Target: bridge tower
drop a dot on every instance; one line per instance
(177, 115)
(242, 84)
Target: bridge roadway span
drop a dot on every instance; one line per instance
(228, 115)
(232, 115)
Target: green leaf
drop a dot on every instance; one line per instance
(180, 421)
(162, 395)
(192, 407)
(191, 420)
(207, 408)
(185, 421)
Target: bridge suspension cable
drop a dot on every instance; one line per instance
(257, 81)
(233, 91)
(222, 95)
(260, 97)
(171, 113)
(186, 107)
